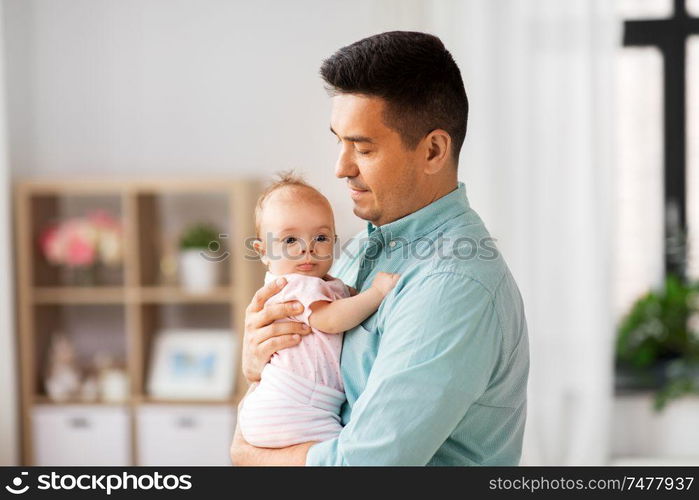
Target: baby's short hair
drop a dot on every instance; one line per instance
(285, 179)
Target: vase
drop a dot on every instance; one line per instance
(80, 276)
(197, 273)
(95, 275)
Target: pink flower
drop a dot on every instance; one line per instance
(102, 220)
(50, 242)
(109, 236)
(82, 241)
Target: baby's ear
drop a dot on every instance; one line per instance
(260, 249)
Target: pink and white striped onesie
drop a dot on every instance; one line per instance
(300, 391)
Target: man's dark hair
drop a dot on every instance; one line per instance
(414, 73)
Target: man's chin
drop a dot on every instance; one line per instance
(363, 213)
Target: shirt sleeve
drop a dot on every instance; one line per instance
(439, 347)
(307, 290)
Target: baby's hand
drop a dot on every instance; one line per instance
(384, 282)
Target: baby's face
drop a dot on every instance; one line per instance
(297, 235)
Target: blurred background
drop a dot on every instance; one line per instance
(134, 133)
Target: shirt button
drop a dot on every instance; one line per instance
(392, 243)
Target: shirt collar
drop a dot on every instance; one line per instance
(423, 221)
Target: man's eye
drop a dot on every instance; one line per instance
(289, 240)
(363, 152)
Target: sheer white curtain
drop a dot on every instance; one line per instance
(538, 165)
(8, 378)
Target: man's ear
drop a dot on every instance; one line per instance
(437, 145)
(260, 249)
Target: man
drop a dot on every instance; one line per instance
(437, 376)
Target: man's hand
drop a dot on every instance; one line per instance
(263, 337)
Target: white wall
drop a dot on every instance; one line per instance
(178, 87)
(9, 430)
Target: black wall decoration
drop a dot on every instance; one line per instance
(670, 36)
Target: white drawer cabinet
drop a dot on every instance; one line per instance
(185, 435)
(81, 435)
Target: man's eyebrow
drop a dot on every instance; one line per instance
(354, 138)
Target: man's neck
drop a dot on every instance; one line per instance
(430, 195)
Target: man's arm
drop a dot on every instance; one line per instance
(243, 453)
(438, 350)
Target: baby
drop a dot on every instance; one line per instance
(301, 391)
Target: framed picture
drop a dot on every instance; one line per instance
(192, 364)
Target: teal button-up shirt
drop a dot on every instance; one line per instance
(438, 375)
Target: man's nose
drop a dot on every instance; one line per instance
(345, 166)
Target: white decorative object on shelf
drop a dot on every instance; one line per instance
(114, 385)
(63, 376)
(112, 380)
(197, 273)
(192, 364)
(89, 390)
(201, 253)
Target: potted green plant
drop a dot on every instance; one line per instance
(198, 268)
(658, 342)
